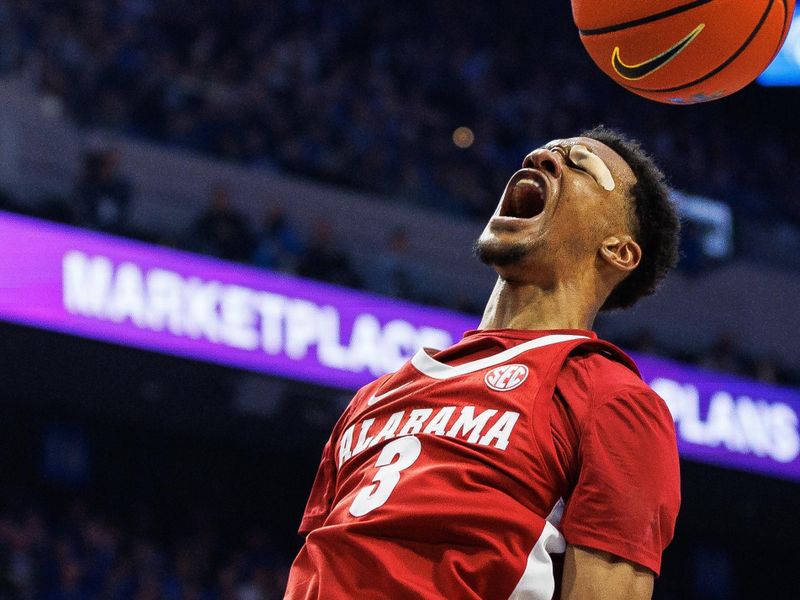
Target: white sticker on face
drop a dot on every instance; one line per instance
(584, 159)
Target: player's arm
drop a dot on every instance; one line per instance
(593, 575)
(621, 513)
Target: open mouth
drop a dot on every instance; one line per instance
(525, 197)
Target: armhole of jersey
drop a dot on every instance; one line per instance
(540, 411)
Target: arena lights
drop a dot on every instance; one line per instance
(120, 291)
(463, 137)
(785, 68)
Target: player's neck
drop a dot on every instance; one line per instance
(525, 306)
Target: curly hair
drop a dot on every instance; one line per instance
(656, 223)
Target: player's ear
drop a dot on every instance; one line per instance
(621, 252)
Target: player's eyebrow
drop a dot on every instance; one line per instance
(581, 156)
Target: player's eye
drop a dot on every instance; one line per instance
(575, 166)
(587, 161)
(570, 162)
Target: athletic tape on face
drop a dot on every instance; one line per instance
(585, 159)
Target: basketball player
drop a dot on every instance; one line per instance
(467, 473)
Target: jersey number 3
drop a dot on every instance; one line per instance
(377, 493)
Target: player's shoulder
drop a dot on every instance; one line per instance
(362, 398)
(598, 376)
(604, 370)
(372, 386)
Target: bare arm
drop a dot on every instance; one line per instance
(594, 575)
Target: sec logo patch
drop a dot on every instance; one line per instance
(506, 378)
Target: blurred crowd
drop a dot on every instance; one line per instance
(78, 554)
(100, 200)
(434, 102)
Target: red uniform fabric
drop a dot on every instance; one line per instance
(461, 475)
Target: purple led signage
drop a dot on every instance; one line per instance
(105, 288)
(125, 292)
(729, 421)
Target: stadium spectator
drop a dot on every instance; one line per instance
(325, 260)
(724, 356)
(765, 370)
(102, 194)
(78, 555)
(277, 245)
(221, 231)
(394, 277)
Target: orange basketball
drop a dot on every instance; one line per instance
(683, 51)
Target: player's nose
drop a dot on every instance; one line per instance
(544, 160)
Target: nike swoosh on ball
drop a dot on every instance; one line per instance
(648, 67)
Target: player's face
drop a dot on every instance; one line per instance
(569, 196)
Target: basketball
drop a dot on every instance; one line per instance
(683, 52)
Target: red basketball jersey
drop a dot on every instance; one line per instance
(460, 475)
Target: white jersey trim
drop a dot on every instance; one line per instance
(431, 367)
(538, 580)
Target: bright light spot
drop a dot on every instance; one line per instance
(463, 137)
